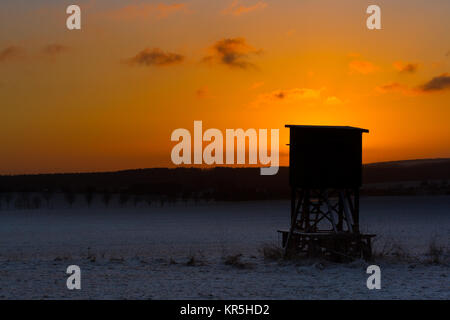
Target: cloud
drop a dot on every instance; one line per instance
(155, 57)
(237, 9)
(362, 67)
(394, 87)
(439, 83)
(406, 67)
(54, 49)
(233, 52)
(11, 53)
(164, 10)
(294, 95)
(145, 10)
(436, 84)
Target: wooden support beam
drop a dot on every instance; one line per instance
(330, 214)
(348, 215)
(293, 200)
(305, 211)
(340, 214)
(294, 214)
(356, 211)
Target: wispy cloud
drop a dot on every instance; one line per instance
(436, 84)
(145, 10)
(395, 87)
(11, 53)
(406, 67)
(236, 8)
(362, 67)
(294, 95)
(439, 83)
(233, 52)
(155, 57)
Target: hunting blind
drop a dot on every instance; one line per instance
(325, 174)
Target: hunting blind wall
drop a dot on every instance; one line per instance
(325, 157)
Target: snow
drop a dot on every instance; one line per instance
(142, 252)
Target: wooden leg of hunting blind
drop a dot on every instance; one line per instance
(297, 207)
(309, 207)
(356, 211)
(340, 214)
(347, 211)
(369, 249)
(305, 211)
(293, 205)
(289, 244)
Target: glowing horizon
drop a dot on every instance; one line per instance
(107, 97)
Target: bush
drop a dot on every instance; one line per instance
(194, 261)
(235, 261)
(435, 252)
(106, 198)
(272, 252)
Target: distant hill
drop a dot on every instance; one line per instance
(224, 183)
(407, 170)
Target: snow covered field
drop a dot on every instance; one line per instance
(178, 252)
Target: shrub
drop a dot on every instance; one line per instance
(435, 253)
(272, 252)
(235, 261)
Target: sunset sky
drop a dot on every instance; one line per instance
(108, 97)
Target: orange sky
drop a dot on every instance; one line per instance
(107, 97)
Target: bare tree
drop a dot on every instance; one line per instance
(123, 198)
(23, 201)
(8, 198)
(89, 196)
(47, 194)
(207, 196)
(136, 200)
(149, 200)
(196, 197)
(36, 202)
(172, 198)
(106, 198)
(70, 197)
(185, 197)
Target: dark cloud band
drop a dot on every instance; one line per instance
(155, 57)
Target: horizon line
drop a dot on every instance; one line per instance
(201, 167)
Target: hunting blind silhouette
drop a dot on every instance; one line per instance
(325, 175)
